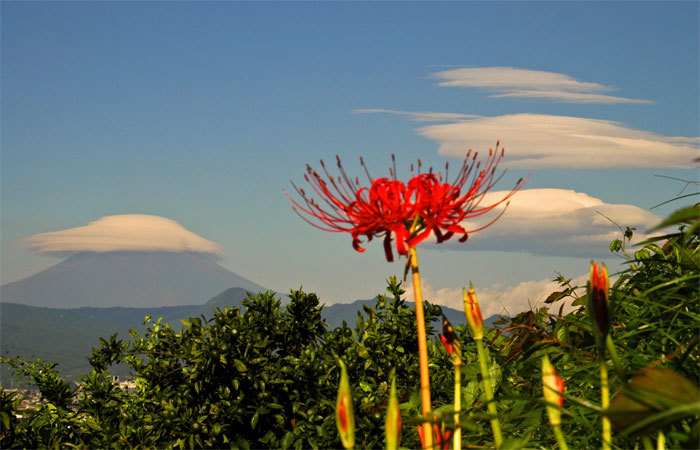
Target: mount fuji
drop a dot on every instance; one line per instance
(126, 279)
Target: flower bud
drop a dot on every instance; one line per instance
(599, 301)
(552, 387)
(344, 417)
(447, 337)
(393, 418)
(473, 313)
(442, 437)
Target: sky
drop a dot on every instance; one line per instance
(178, 125)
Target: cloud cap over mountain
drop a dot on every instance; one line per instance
(125, 233)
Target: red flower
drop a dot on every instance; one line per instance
(410, 212)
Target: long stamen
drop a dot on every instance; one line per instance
(362, 162)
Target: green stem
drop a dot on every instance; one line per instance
(486, 381)
(646, 443)
(617, 364)
(661, 442)
(560, 437)
(605, 402)
(457, 443)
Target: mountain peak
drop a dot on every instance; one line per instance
(133, 279)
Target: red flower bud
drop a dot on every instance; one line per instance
(448, 337)
(473, 313)
(552, 388)
(599, 301)
(344, 417)
(448, 346)
(442, 438)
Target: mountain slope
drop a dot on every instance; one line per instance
(128, 279)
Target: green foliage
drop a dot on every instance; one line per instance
(266, 375)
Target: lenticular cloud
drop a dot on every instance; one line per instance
(126, 232)
(541, 141)
(561, 222)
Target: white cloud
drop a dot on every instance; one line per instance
(538, 141)
(554, 222)
(425, 116)
(127, 232)
(514, 82)
(498, 298)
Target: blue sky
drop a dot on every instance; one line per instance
(202, 113)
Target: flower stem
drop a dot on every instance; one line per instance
(457, 444)
(422, 352)
(617, 364)
(605, 401)
(560, 437)
(486, 381)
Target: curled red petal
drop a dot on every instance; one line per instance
(387, 247)
(356, 245)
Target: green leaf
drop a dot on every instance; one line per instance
(651, 392)
(615, 246)
(254, 419)
(470, 393)
(240, 366)
(685, 215)
(554, 296)
(287, 440)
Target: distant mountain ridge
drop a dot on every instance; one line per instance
(127, 279)
(66, 336)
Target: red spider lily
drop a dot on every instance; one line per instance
(442, 438)
(410, 212)
(598, 300)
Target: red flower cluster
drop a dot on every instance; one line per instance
(410, 212)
